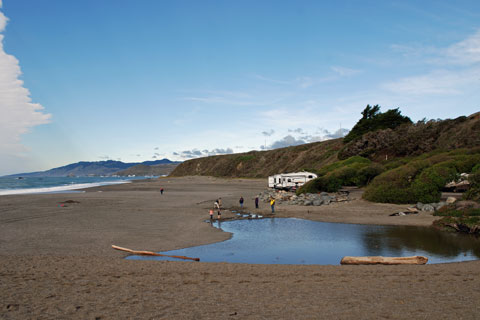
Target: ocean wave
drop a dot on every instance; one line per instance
(58, 189)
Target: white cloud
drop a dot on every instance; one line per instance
(458, 75)
(465, 52)
(3, 19)
(18, 112)
(443, 82)
(287, 141)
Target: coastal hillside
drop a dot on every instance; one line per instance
(416, 139)
(259, 164)
(405, 140)
(163, 169)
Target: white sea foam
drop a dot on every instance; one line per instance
(59, 189)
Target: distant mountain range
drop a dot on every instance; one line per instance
(107, 168)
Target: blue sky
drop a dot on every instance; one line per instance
(138, 80)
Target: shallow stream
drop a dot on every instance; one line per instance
(298, 241)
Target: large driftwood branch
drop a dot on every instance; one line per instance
(384, 260)
(150, 253)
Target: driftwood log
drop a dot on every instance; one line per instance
(384, 260)
(150, 253)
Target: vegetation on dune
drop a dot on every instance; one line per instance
(354, 171)
(422, 178)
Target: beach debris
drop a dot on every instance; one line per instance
(384, 260)
(70, 201)
(150, 253)
(404, 213)
(461, 227)
(64, 203)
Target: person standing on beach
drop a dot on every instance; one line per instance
(216, 205)
(241, 202)
(256, 202)
(211, 214)
(272, 204)
(161, 191)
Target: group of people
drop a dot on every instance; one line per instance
(272, 203)
(217, 205)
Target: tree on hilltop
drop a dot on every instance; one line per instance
(372, 119)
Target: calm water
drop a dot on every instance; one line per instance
(297, 241)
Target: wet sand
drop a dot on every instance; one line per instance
(56, 261)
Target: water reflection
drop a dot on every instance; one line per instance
(297, 241)
(397, 239)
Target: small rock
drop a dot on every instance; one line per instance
(419, 205)
(317, 202)
(441, 205)
(307, 203)
(428, 208)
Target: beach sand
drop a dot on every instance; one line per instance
(56, 261)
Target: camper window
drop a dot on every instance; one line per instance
(289, 180)
(310, 176)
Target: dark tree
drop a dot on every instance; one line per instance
(372, 119)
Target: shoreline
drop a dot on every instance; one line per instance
(57, 262)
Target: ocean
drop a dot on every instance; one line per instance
(26, 185)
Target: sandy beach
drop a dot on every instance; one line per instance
(56, 261)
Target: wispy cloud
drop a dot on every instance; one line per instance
(466, 52)
(300, 136)
(18, 113)
(344, 71)
(454, 69)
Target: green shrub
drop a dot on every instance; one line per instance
(473, 193)
(422, 178)
(354, 171)
(320, 184)
(366, 174)
(427, 186)
(393, 164)
(389, 194)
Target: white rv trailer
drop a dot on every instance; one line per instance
(290, 180)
